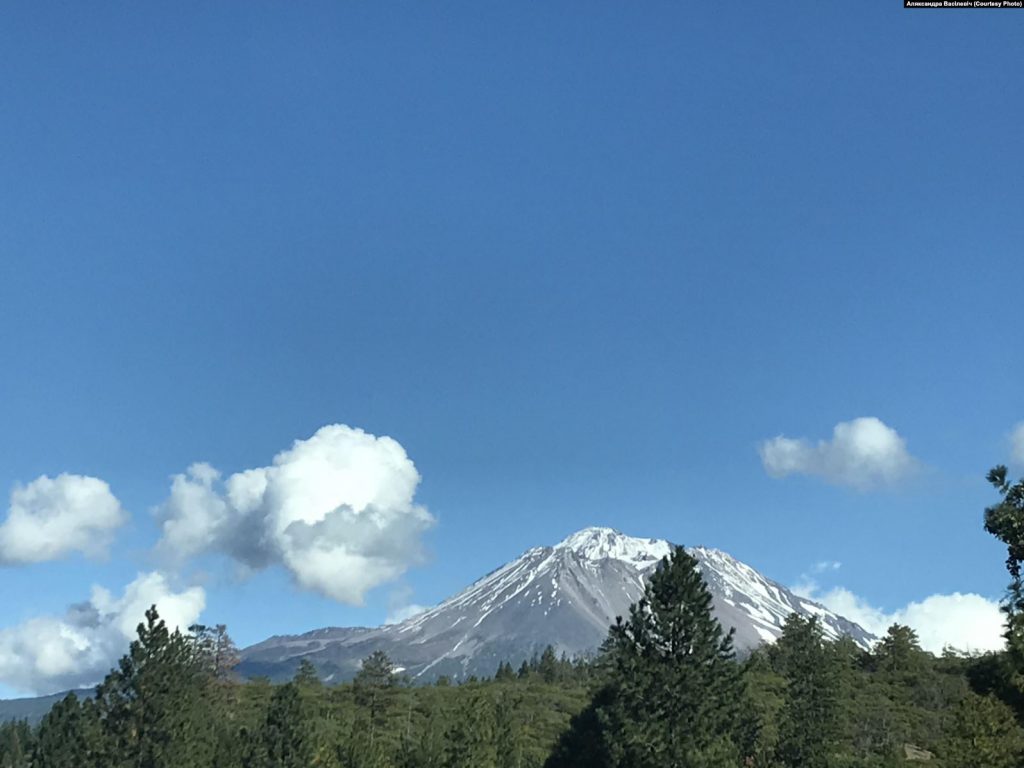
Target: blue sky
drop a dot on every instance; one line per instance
(580, 261)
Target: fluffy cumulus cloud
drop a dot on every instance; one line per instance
(1017, 445)
(401, 606)
(965, 622)
(337, 510)
(53, 517)
(52, 653)
(864, 453)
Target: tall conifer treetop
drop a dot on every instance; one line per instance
(673, 685)
(1005, 521)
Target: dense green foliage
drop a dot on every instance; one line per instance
(800, 702)
(666, 692)
(164, 707)
(671, 690)
(1005, 521)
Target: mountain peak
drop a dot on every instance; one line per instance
(597, 543)
(564, 596)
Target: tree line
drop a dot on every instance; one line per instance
(666, 691)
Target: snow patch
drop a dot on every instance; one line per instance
(606, 543)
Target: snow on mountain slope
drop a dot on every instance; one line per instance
(566, 596)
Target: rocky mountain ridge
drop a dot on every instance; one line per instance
(564, 595)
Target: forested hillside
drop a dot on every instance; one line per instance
(666, 691)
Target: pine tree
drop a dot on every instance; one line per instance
(898, 655)
(374, 691)
(306, 675)
(152, 706)
(809, 723)
(470, 736)
(426, 747)
(674, 688)
(15, 745)
(215, 647)
(62, 740)
(504, 672)
(584, 743)
(285, 732)
(765, 696)
(1005, 521)
(510, 730)
(547, 667)
(983, 732)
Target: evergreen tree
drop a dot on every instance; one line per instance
(511, 735)
(983, 732)
(470, 736)
(674, 689)
(504, 672)
(284, 736)
(547, 666)
(898, 655)
(765, 695)
(426, 747)
(306, 676)
(374, 691)
(216, 649)
(583, 743)
(809, 723)
(15, 745)
(63, 740)
(152, 706)
(1005, 521)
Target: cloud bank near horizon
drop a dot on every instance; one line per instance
(337, 510)
(864, 453)
(49, 653)
(964, 622)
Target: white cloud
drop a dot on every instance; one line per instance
(1017, 444)
(401, 613)
(49, 654)
(401, 606)
(337, 510)
(826, 565)
(864, 453)
(965, 622)
(195, 514)
(52, 517)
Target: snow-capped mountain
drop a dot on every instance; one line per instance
(565, 596)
